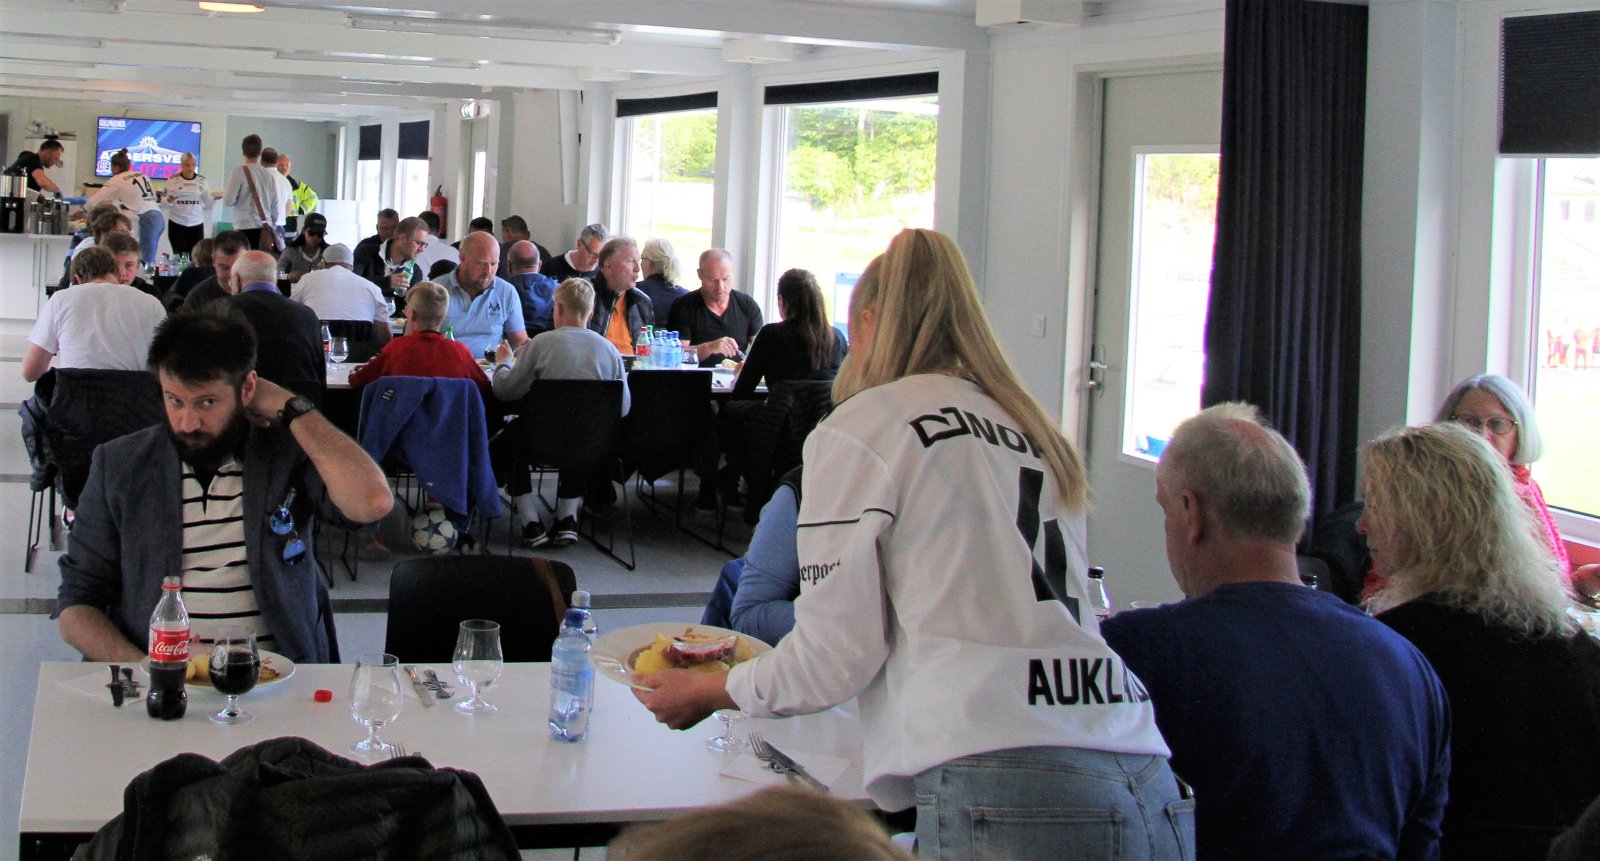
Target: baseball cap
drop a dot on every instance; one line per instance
(339, 253)
(316, 223)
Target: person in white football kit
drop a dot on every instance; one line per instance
(943, 582)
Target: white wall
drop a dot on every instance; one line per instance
(312, 145)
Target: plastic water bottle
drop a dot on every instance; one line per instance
(449, 333)
(1099, 601)
(571, 675)
(590, 628)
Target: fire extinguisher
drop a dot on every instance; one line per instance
(440, 205)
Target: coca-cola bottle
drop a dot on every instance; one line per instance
(169, 653)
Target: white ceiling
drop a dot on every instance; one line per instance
(170, 53)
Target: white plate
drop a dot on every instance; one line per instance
(612, 651)
(284, 666)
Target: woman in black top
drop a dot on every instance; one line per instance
(1473, 586)
(802, 347)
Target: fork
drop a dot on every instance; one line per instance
(763, 752)
(440, 688)
(398, 751)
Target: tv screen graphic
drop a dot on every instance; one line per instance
(155, 146)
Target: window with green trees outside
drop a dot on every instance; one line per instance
(854, 174)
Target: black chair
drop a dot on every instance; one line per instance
(355, 330)
(86, 407)
(577, 425)
(669, 418)
(776, 436)
(430, 597)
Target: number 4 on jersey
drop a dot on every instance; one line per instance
(1049, 580)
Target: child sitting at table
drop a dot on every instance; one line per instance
(422, 351)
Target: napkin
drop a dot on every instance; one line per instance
(94, 684)
(823, 767)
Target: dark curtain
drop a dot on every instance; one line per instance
(1283, 327)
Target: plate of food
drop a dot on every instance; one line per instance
(640, 649)
(274, 667)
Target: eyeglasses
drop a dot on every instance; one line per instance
(281, 522)
(1496, 425)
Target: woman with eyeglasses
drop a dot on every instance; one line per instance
(1496, 409)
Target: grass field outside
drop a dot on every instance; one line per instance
(1568, 408)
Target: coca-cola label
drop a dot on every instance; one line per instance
(170, 646)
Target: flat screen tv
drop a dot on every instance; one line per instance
(155, 146)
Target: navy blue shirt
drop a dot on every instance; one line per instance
(1307, 729)
(537, 293)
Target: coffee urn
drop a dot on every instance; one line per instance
(13, 203)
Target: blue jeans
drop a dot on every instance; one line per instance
(1053, 802)
(151, 225)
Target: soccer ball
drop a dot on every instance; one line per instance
(432, 531)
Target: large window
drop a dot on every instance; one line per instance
(670, 166)
(1175, 220)
(854, 173)
(369, 175)
(1566, 330)
(411, 169)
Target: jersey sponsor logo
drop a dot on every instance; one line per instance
(950, 422)
(811, 574)
(1082, 682)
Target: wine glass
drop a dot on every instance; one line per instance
(478, 662)
(375, 698)
(727, 742)
(340, 348)
(235, 666)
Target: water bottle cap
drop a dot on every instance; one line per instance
(580, 598)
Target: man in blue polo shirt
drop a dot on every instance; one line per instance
(483, 309)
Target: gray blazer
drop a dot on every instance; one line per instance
(129, 533)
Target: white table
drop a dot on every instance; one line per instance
(721, 378)
(83, 752)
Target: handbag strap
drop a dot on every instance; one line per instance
(256, 196)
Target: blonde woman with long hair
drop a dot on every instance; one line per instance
(1471, 582)
(941, 543)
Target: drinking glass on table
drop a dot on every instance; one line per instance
(340, 349)
(375, 698)
(478, 662)
(727, 742)
(235, 666)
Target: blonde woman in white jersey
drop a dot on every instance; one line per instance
(188, 202)
(943, 582)
(131, 190)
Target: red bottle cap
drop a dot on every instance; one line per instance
(323, 696)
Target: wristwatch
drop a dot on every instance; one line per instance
(294, 408)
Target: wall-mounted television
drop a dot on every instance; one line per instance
(155, 146)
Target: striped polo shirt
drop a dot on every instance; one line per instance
(216, 574)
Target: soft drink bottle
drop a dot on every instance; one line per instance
(169, 653)
(641, 349)
(327, 344)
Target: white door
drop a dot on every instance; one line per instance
(1157, 215)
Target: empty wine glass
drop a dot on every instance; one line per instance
(340, 348)
(478, 662)
(235, 666)
(727, 742)
(375, 698)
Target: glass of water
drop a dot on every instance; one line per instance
(478, 662)
(375, 697)
(340, 349)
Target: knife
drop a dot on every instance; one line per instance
(423, 693)
(796, 768)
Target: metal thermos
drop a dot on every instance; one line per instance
(13, 203)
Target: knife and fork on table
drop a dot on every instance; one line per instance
(430, 688)
(782, 763)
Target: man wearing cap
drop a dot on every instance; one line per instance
(336, 292)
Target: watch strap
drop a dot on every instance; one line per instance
(294, 408)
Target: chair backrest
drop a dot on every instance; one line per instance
(777, 434)
(355, 330)
(667, 420)
(430, 597)
(572, 424)
(89, 407)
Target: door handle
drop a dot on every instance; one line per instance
(1097, 370)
